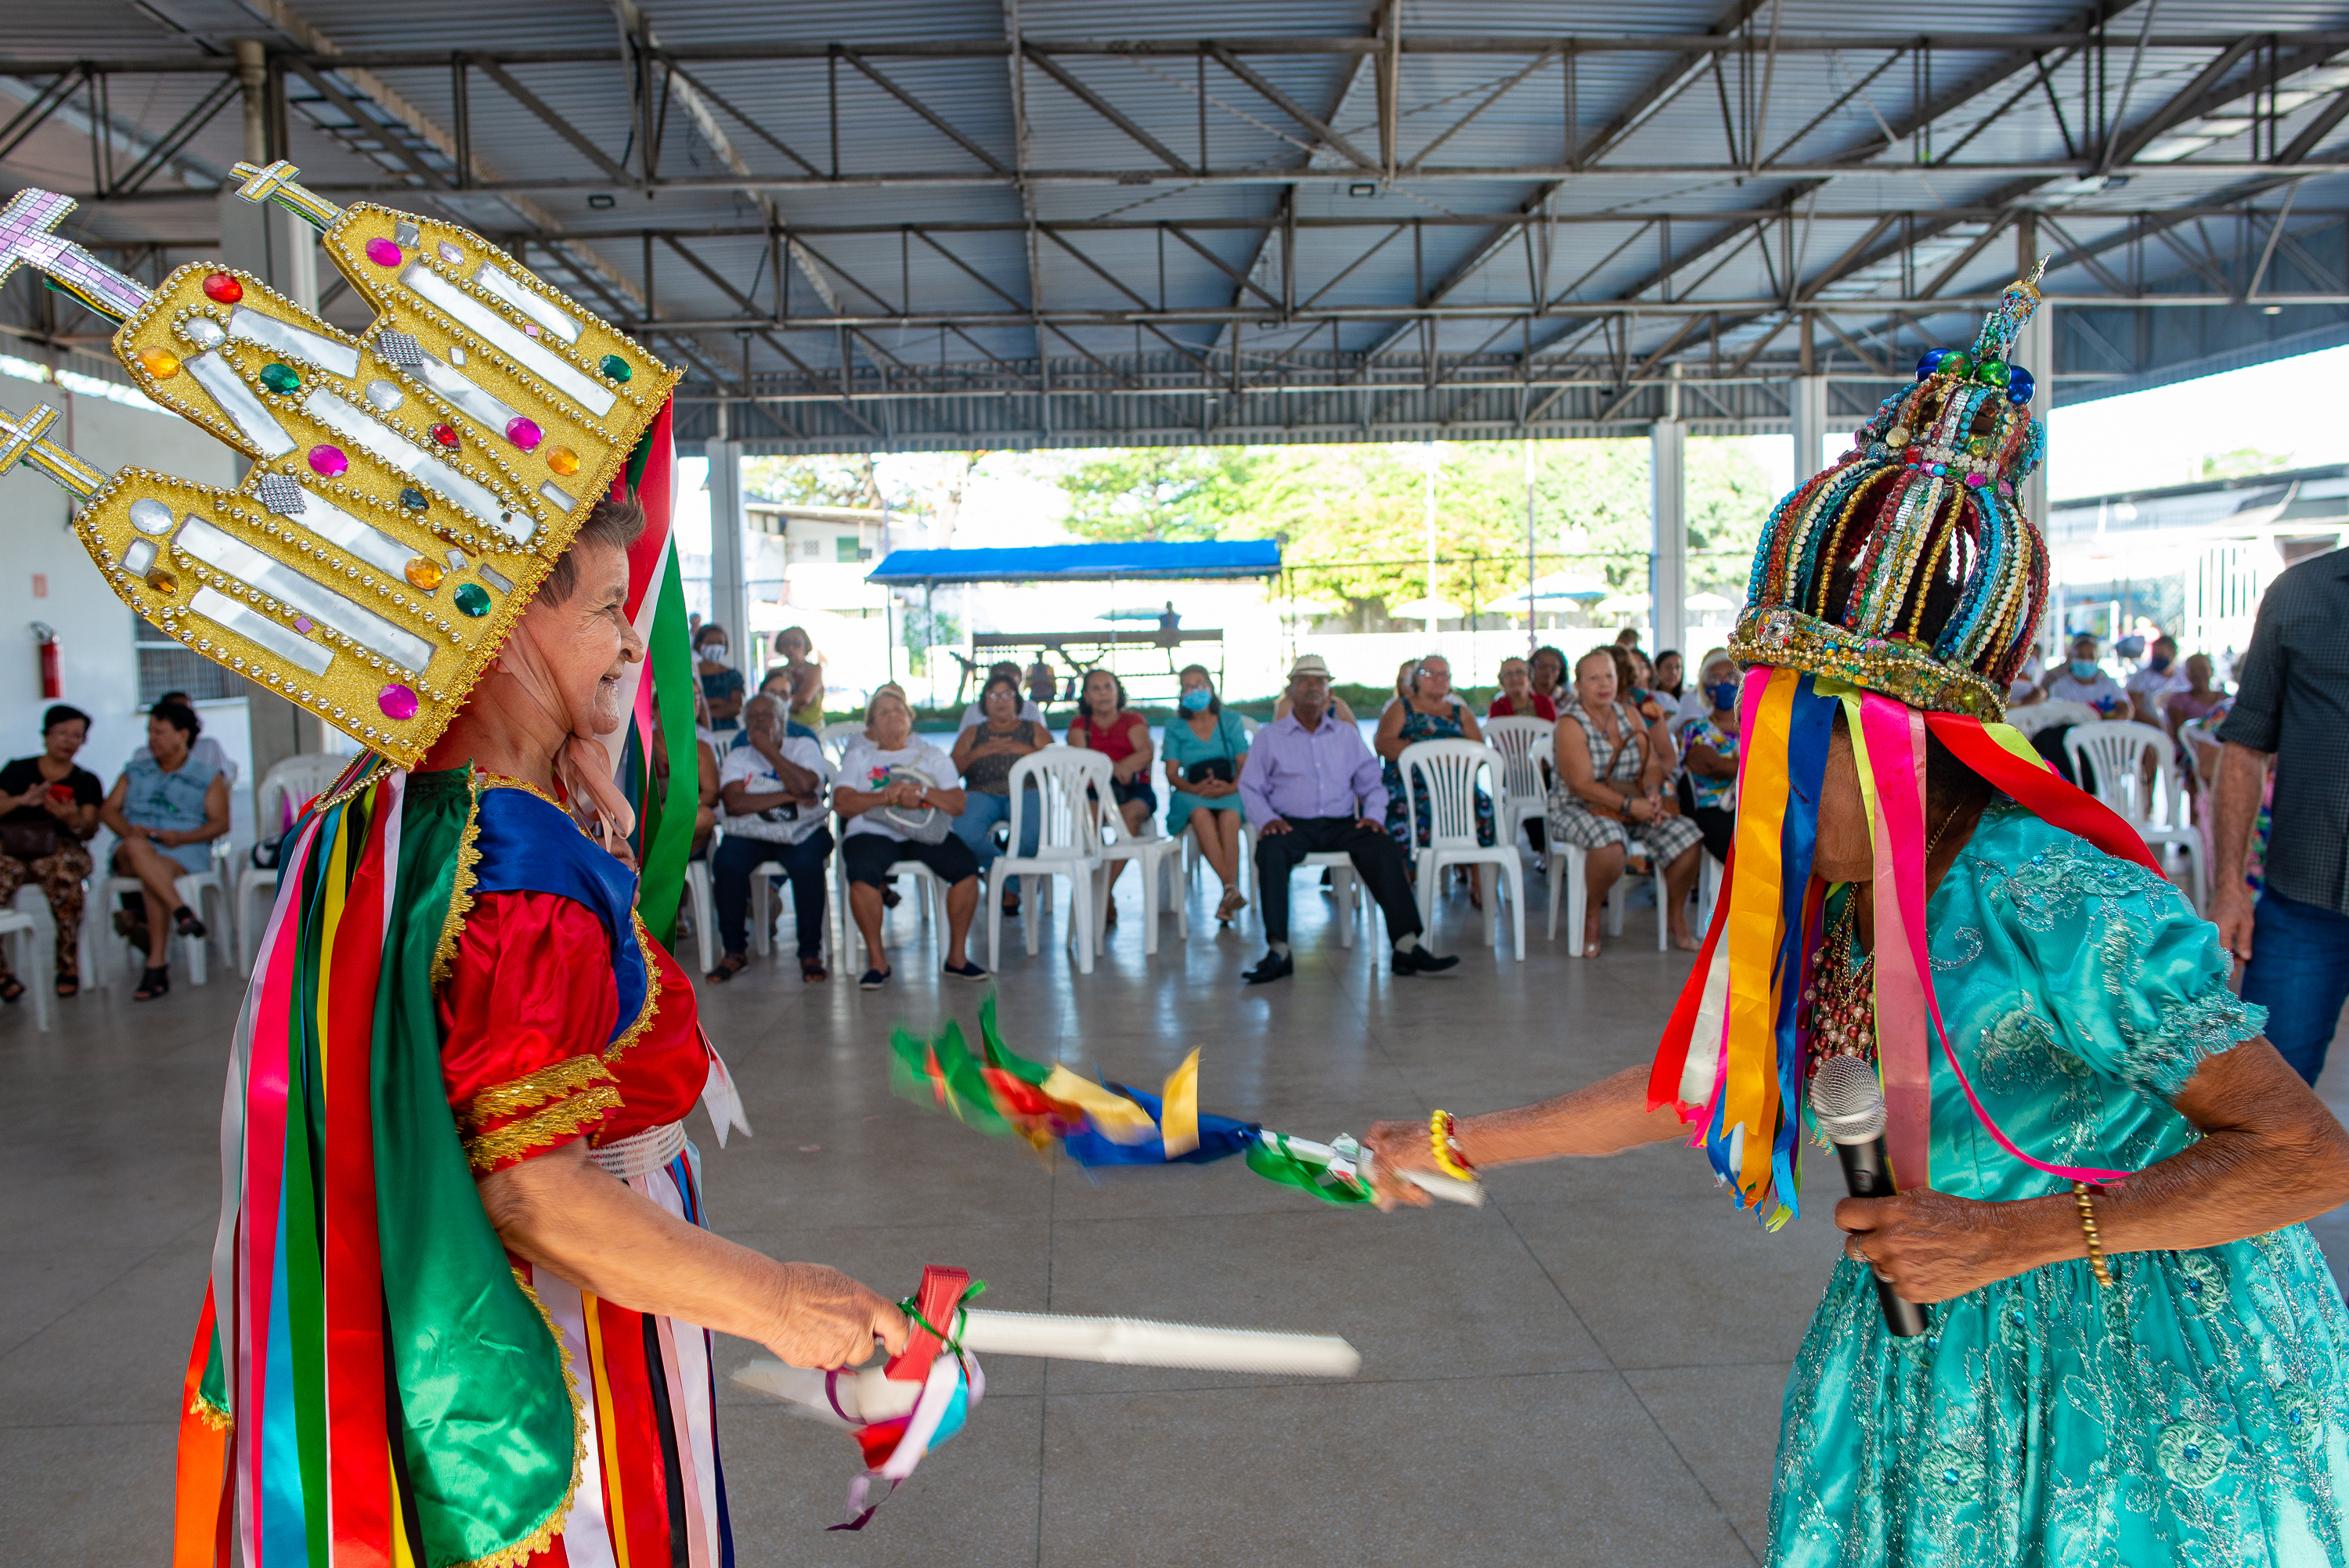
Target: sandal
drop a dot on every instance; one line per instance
(154, 983)
(1232, 904)
(812, 970)
(10, 987)
(68, 985)
(1012, 903)
(731, 966)
(1109, 912)
(185, 924)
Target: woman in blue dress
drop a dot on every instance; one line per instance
(166, 809)
(2133, 1352)
(1425, 709)
(1205, 749)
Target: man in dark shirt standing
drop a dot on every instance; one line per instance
(2293, 706)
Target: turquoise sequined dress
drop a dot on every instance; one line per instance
(2194, 1413)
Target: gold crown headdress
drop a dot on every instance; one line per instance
(411, 485)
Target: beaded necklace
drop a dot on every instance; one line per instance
(1837, 1015)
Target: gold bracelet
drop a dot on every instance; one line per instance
(1447, 1158)
(2081, 1195)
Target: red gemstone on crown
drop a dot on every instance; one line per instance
(224, 288)
(445, 436)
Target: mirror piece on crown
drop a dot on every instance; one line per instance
(436, 434)
(1906, 568)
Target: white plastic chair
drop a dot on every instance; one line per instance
(2042, 716)
(1344, 886)
(1151, 851)
(2116, 755)
(1444, 773)
(837, 736)
(295, 780)
(1565, 877)
(1067, 845)
(23, 929)
(697, 888)
(1524, 743)
(114, 951)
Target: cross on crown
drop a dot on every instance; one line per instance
(275, 182)
(25, 237)
(21, 442)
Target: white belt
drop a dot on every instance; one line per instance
(642, 1153)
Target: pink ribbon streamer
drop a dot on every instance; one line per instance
(1895, 753)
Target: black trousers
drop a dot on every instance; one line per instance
(803, 864)
(1377, 858)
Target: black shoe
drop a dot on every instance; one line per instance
(873, 980)
(969, 971)
(1274, 967)
(1420, 961)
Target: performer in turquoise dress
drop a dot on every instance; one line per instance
(2132, 1351)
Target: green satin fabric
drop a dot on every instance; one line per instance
(486, 1412)
(2193, 1413)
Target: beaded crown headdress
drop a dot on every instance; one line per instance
(1917, 523)
(411, 484)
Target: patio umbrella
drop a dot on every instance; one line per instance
(1426, 610)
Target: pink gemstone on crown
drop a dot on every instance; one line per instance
(398, 702)
(383, 252)
(523, 432)
(327, 462)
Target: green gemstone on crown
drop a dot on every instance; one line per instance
(280, 377)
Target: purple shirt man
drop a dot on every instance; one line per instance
(1312, 786)
(1295, 773)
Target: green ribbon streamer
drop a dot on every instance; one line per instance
(668, 834)
(1277, 1164)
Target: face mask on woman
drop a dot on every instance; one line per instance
(1196, 699)
(1723, 694)
(713, 652)
(2159, 663)
(2084, 669)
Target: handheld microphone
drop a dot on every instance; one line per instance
(1847, 1104)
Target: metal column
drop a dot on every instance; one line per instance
(2034, 350)
(1807, 401)
(729, 585)
(1667, 580)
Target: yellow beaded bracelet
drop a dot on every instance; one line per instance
(2081, 1194)
(1439, 1137)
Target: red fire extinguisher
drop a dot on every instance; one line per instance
(53, 675)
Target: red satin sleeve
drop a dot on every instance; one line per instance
(660, 1072)
(525, 1014)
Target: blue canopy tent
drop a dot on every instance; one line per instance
(1143, 561)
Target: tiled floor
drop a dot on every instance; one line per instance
(1557, 1378)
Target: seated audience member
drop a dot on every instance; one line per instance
(772, 789)
(166, 808)
(977, 712)
(777, 683)
(1311, 785)
(1547, 668)
(2027, 688)
(2154, 684)
(206, 749)
(1280, 706)
(721, 683)
(1628, 638)
(1708, 753)
(49, 813)
(1206, 749)
(889, 785)
(1693, 703)
(1043, 684)
(1609, 795)
(1425, 709)
(1629, 685)
(983, 756)
(2180, 707)
(1516, 697)
(803, 698)
(2083, 681)
(1103, 724)
(1667, 687)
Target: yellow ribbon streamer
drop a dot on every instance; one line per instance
(1749, 1086)
(1179, 1121)
(1118, 1118)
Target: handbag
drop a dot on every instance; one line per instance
(1208, 767)
(919, 824)
(28, 841)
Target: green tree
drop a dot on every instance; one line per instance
(1168, 492)
(2242, 463)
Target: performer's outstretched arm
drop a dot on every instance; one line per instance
(562, 1212)
(1604, 1118)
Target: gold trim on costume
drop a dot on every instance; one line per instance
(1785, 638)
(645, 1015)
(461, 889)
(558, 1123)
(559, 1516)
(526, 1093)
(210, 1414)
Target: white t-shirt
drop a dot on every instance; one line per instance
(867, 768)
(2151, 687)
(975, 714)
(2103, 694)
(788, 822)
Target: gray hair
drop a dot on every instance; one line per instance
(764, 699)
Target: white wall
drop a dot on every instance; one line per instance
(93, 626)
